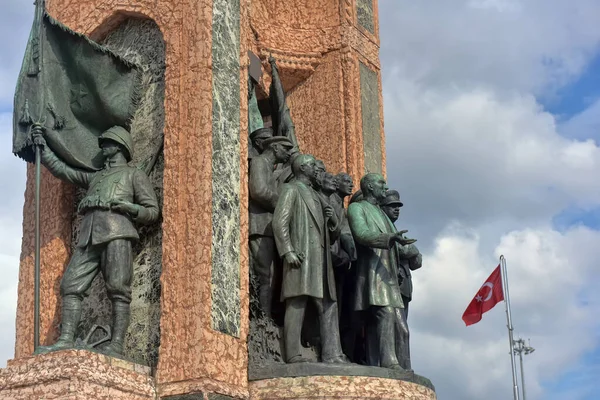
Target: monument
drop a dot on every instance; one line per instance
(222, 284)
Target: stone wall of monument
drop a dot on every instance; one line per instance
(319, 46)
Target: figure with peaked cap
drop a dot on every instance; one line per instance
(299, 226)
(263, 199)
(117, 197)
(257, 138)
(409, 257)
(377, 289)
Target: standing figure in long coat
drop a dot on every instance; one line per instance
(377, 289)
(299, 225)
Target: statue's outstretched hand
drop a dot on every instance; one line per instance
(399, 238)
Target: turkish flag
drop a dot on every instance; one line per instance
(486, 298)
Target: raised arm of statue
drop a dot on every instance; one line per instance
(282, 120)
(58, 167)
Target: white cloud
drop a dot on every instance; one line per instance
(547, 275)
(508, 44)
(15, 24)
(585, 124)
(482, 169)
(12, 182)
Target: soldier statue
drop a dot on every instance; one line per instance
(116, 197)
(299, 226)
(409, 257)
(263, 199)
(377, 290)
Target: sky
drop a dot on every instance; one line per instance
(492, 117)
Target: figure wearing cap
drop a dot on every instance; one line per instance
(257, 137)
(409, 257)
(378, 293)
(263, 199)
(116, 197)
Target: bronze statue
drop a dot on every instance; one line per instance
(377, 289)
(117, 196)
(300, 223)
(263, 199)
(409, 257)
(320, 171)
(256, 141)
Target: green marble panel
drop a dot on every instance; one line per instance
(371, 119)
(365, 14)
(226, 167)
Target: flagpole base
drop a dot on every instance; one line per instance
(75, 374)
(337, 381)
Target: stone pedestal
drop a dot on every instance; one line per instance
(338, 387)
(337, 381)
(75, 374)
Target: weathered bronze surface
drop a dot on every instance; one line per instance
(377, 290)
(117, 196)
(299, 226)
(409, 257)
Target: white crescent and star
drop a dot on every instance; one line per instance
(480, 298)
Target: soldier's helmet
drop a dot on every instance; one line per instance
(119, 135)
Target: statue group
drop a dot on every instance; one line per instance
(335, 277)
(352, 267)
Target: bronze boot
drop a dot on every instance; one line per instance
(71, 313)
(121, 314)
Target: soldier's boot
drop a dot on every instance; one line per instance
(121, 313)
(71, 313)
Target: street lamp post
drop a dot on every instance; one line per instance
(520, 348)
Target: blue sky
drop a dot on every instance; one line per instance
(492, 112)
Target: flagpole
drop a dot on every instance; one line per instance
(510, 326)
(36, 69)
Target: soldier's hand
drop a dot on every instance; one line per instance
(402, 232)
(124, 207)
(293, 260)
(37, 134)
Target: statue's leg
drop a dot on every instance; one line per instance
(386, 318)
(402, 339)
(371, 341)
(331, 347)
(292, 328)
(264, 253)
(117, 268)
(78, 277)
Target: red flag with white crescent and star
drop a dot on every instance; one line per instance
(486, 298)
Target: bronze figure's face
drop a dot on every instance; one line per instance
(329, 183)
(319, 171)
(392, 211)
(344, 184)
(109, 148)
(282, 153)
(378, 186)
